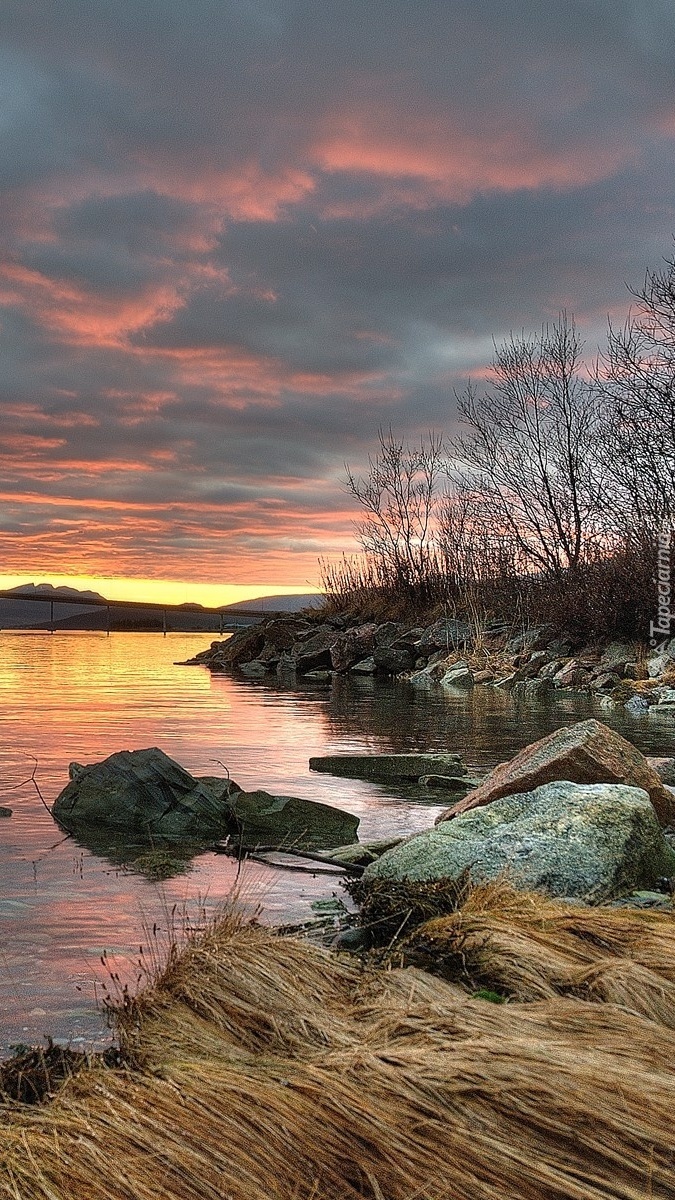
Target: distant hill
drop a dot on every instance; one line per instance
(265, 604)
(21, 613)
(53, 593)
(26, 614)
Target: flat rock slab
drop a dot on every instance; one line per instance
(596, 841)
(587, 752)
(388, 766)
(261, 819)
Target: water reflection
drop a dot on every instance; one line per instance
(83, 696)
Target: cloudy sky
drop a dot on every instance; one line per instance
(238, 236)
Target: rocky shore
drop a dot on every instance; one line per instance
(532, 664)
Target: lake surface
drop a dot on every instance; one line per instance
(82, 696)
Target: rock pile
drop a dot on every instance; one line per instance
(532, 665)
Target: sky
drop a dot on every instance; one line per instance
(238, 237)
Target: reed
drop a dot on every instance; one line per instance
(262, 1067)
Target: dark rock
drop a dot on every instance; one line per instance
(573, 675)
(283, 632)
(243, 646)
(367, 666)
(445, 635)
(536, 638)
(261, 819)
(387, 633)
(388, 766)
(5, 812)
(315, 653)
(616, 656)
(533, 689)
(352, 646)
(393, 662)
(634, 670)
(146, 793)
(605, 682)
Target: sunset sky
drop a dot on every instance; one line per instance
(238, 236)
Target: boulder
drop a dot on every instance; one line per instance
(388, 766)
(393, 661)
(367, 666)
(387, 633)
(352, 646)
(587, 752)
(595, 841)
(572, 675)
(314, 653)
(616, 656)
(253, 670)
(145, 793)
(260, 819)
(445, 635)
(605, 682)
(658, 665)
(533, 689)
(282, 632)
(243, 646)
(637, 706)
(664, 767)
(536, 638)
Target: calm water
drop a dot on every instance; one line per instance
(83, 696)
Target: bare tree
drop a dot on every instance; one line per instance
(398, 498)
(636, 383)
(529, 455)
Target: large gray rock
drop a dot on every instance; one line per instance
(145, 793)
(597, 841)
(388, 766)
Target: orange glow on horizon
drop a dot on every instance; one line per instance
(170, 591)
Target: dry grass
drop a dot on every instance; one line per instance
(531, 948)
(263, 1067)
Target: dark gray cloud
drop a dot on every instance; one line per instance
(238, 237)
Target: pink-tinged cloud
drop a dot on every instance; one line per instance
(451, 164)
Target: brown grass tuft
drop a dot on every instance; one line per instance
(263, 1068)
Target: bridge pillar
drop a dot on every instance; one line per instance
(163, 622)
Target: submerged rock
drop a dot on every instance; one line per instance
(587, 752)
(388, 766)
(262, 819)
(568, 839)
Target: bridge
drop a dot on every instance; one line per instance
(226, 618)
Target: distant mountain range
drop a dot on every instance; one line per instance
(21, 613)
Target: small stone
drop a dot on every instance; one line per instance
(637, 706)
(458, 677)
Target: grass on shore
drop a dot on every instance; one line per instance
(263, 1067)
